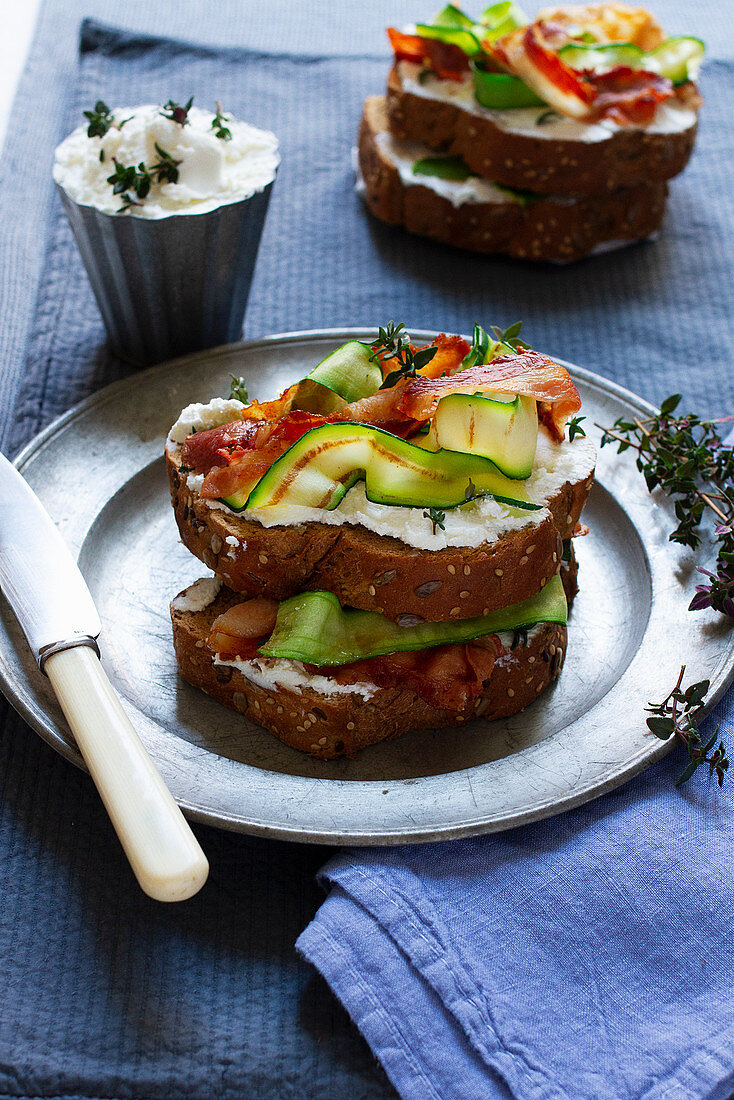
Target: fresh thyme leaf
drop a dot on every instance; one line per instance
(510, 335)
(393, 342)
(238, 390)
(177, 113)
(220, 130)
(678, 715)
(423, 75)
(685, 457)
(519, 637)
(471, 491)
(101, 156)
(546, 117)
(100, 119)
(574, 428)
(127, 178)
(185, 469)
(164, 170)
(437, 518)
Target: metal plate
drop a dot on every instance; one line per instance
(99, 470)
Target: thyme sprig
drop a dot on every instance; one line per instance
(101, 120)
(574, 428)
(176, 113)
(393, 342)
(510, 336)
(437, 518)
(685, 457)
(678, 715)
(218, 124)
(133, 183)
(238, 390)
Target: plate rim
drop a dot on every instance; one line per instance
(40, 722)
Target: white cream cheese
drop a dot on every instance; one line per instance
(212, 172)
(671, 117)
(198, 418)
(404, 154)
(198, 595)
(480, 521)
(270, 673)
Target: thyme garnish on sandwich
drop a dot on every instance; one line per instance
(393, 342)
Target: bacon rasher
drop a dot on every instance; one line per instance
(529, 373)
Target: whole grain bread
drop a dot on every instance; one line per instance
(376, 572)
(326, 726)
(549, 228)
(539, 164)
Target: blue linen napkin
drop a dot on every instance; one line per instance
(586, 957)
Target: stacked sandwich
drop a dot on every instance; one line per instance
(390, 539)
(547, 140)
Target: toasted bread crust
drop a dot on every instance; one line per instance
(538, 164)
(327, 726)
(547, 229)
(376, 572)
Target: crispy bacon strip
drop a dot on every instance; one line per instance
(530, 374)
(446, 676)
(246, 466)
(444, 59)
(628, 96)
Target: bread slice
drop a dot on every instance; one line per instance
(378, 572)
(556, 228)
(532, 158)
(328, 720)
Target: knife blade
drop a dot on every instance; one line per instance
(39, 577)
(55, 609)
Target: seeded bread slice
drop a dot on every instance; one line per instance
(549, 166)
(329, 725)
(376, 572)
(560, 229)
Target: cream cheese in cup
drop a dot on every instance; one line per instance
(167, 204)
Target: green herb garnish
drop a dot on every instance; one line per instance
(101, 120)
(238, 390)
(686, 459)
(574, 428)
(437, 518)
(678, 715)
(393, 342)
(220, 130)
(177, 113)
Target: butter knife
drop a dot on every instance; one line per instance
(51, 601)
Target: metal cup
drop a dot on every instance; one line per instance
(168, 286)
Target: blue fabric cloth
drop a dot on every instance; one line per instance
(588, 957)
(104, 993)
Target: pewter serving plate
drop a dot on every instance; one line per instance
(99, 471)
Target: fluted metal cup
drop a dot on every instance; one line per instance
(168, 286)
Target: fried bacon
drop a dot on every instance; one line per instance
(446, 60)
(246, 465)
(239, 631)
(530, 373)
(627, 96)
(447, 676)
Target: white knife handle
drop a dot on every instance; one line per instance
(163, 852)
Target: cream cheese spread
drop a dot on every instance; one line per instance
(404, 154)
(271, 673)
(479, 521)
(211, 173)
(671, 117)
(198, 596)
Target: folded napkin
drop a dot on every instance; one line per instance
(586, 957)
